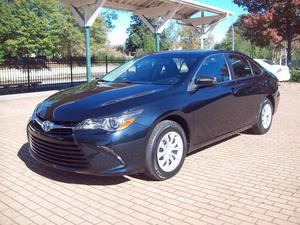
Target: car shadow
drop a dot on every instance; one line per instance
(65, 177)
(145, 178)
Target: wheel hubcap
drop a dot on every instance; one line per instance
(266, 116)
(170, 151)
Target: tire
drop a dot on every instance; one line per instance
(166, 143)
(264, 123)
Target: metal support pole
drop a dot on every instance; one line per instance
(157, 42)
(232, 38)
(88, 53)
(202, 42)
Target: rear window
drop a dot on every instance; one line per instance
(240, 66)
(255, 69)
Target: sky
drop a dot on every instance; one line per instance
(118, 34)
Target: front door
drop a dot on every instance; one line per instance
(214, 107)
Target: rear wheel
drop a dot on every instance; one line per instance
(166, 150)
(265, 117)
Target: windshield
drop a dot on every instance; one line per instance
(153, 69)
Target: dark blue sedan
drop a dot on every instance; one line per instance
(148, 114)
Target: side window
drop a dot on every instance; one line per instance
(255, 69)
(240, 66)
(214, 66)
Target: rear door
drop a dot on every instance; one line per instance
(248, 90)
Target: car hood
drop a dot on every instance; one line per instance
(96, 99)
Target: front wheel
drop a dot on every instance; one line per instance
(265, 117)
(166, 150)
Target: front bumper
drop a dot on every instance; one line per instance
(90, 152)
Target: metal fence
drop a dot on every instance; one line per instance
(32, 74)
(296, 63)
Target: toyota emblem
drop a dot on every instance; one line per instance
(47, 125)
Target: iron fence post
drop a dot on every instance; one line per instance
(28, 74)
(71, 68)
(106, 65)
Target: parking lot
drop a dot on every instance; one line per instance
(246, 179)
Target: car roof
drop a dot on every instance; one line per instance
(194, 52)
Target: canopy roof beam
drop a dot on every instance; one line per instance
(90, 13)
(160, 15)
(203, 25)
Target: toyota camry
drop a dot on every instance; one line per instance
(146, 115)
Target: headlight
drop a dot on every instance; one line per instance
(111, 124)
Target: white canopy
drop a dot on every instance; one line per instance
(154, 13)
(186, 12)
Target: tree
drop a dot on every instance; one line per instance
(189, 38)
(140, 39)
(243, 45)
(46, 28)
(271, 22)
(32, 27)
(209, 42)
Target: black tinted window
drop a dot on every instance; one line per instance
(240, 66)
(214, 66)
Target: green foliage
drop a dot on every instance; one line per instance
(189, 39)
(296, 55)
(46, 28)
(101, 55)
(1, 54)
(244, 46)
(32, 27)
(109, 15)
(98, 33)
(295, 75)
(140, 39)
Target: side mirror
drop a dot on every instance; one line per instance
(206, 81)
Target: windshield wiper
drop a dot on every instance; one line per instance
(100, 80)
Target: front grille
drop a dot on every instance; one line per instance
(62, 153)
(61, 131)
(66, 128)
